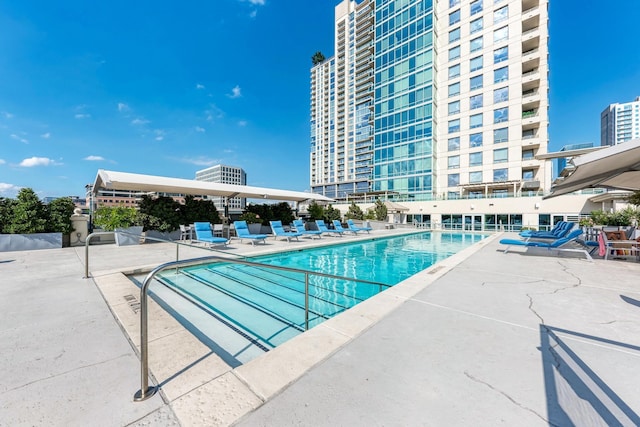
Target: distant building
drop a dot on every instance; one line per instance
(224, 174)
(561, 162)
(620, 123)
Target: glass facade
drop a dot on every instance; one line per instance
(403, 126)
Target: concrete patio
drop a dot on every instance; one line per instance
(482, 338)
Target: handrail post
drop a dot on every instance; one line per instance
(86, 250)
(306, 301)
(145, 391)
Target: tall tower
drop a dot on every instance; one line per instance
(620, 123)
(341, 104)
(224, 174)
(460, 100)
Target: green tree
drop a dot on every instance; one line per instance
(250, 218)
(160, 213)
(6, 214)
(316, 211)
(634, 198)
(111, 217)
(282, 212)
(198, 210)
(354, 212)
(60, 211)
(317, 58)
(29, 214)
(331, 213)
(380, 210)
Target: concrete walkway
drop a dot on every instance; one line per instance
(484, 338)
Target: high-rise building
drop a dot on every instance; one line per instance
(620, 123)
(433, 99)
(225, 175)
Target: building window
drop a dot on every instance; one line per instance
(475, 44)
(453, 3)
(476, 7)
(500, 135)
(500, 155)
(500, 175)
(453, 162)
(475, 63)
(475, 159)
(476, 26)
(475, 121)
(454, 17)
(475, 140)
(528, 175)
(527, 155)
(454, 143)
(475, 177)
(501, 115)
(454, 71)
(501, 34)
(475, 102)
(501, 54)
(501, 74)
(475, 82)
(454, 35)
(454, 107)
(454, 126)
(501, 14)
(454, 89)
(453, 179)
(454, 53)
(501, 95)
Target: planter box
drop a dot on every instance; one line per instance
(255, 228)
(133, 236)
(174, 235)
(28, 242)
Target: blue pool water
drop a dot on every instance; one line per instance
(246, 310)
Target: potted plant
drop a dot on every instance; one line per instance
(120, 219)
(253, 222)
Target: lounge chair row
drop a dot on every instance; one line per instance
(204, 234)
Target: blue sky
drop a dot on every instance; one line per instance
(170, 88)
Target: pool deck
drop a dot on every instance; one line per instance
(483, 338)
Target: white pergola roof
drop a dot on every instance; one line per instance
(616, 167)
(112, 180)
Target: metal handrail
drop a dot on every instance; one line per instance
(147, 391)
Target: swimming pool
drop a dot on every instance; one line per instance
(242, 311)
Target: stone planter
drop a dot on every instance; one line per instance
(255, 228)
(132, 236)
(173, 235)
(28, 242)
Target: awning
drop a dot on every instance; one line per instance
(616, 167)
(149, 183)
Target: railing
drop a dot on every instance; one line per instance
(146, 391)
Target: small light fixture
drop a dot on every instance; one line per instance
(537, 205)
(473, 207)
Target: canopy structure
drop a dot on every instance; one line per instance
(616, 167)
(149, 183)
(393, 207)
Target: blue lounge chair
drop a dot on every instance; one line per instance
(242, 231)
(323, 228)
(278, 231)
(561, 229)
(556, 245)
(338, 226)
(205, 235)
(299, 226)
(355, 228)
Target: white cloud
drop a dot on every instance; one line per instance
(253, 14)
(258, 2)
(235, 93)
(36, 161)
(7, 115)
(8, 188)
(2, 162)
(199, 129)
(123, 107)
(46, 135)
(19, 138)
(160, 133)
(139, 121)
(200, 86)
(201, 161)
(242, 123)
(94, 158)
(213, 113)
(81, 116)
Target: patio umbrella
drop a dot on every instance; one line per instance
(615, 167)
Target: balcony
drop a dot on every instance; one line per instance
(530, 12)
(531, 34)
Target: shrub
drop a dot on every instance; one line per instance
(111, 217)
(354, 212)
(29, 214)
(331, 213)
(161, 213)
(380, 210)
(250, 218)
(6, 214)
(60, 211)
(315, 210)
(197, 210)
